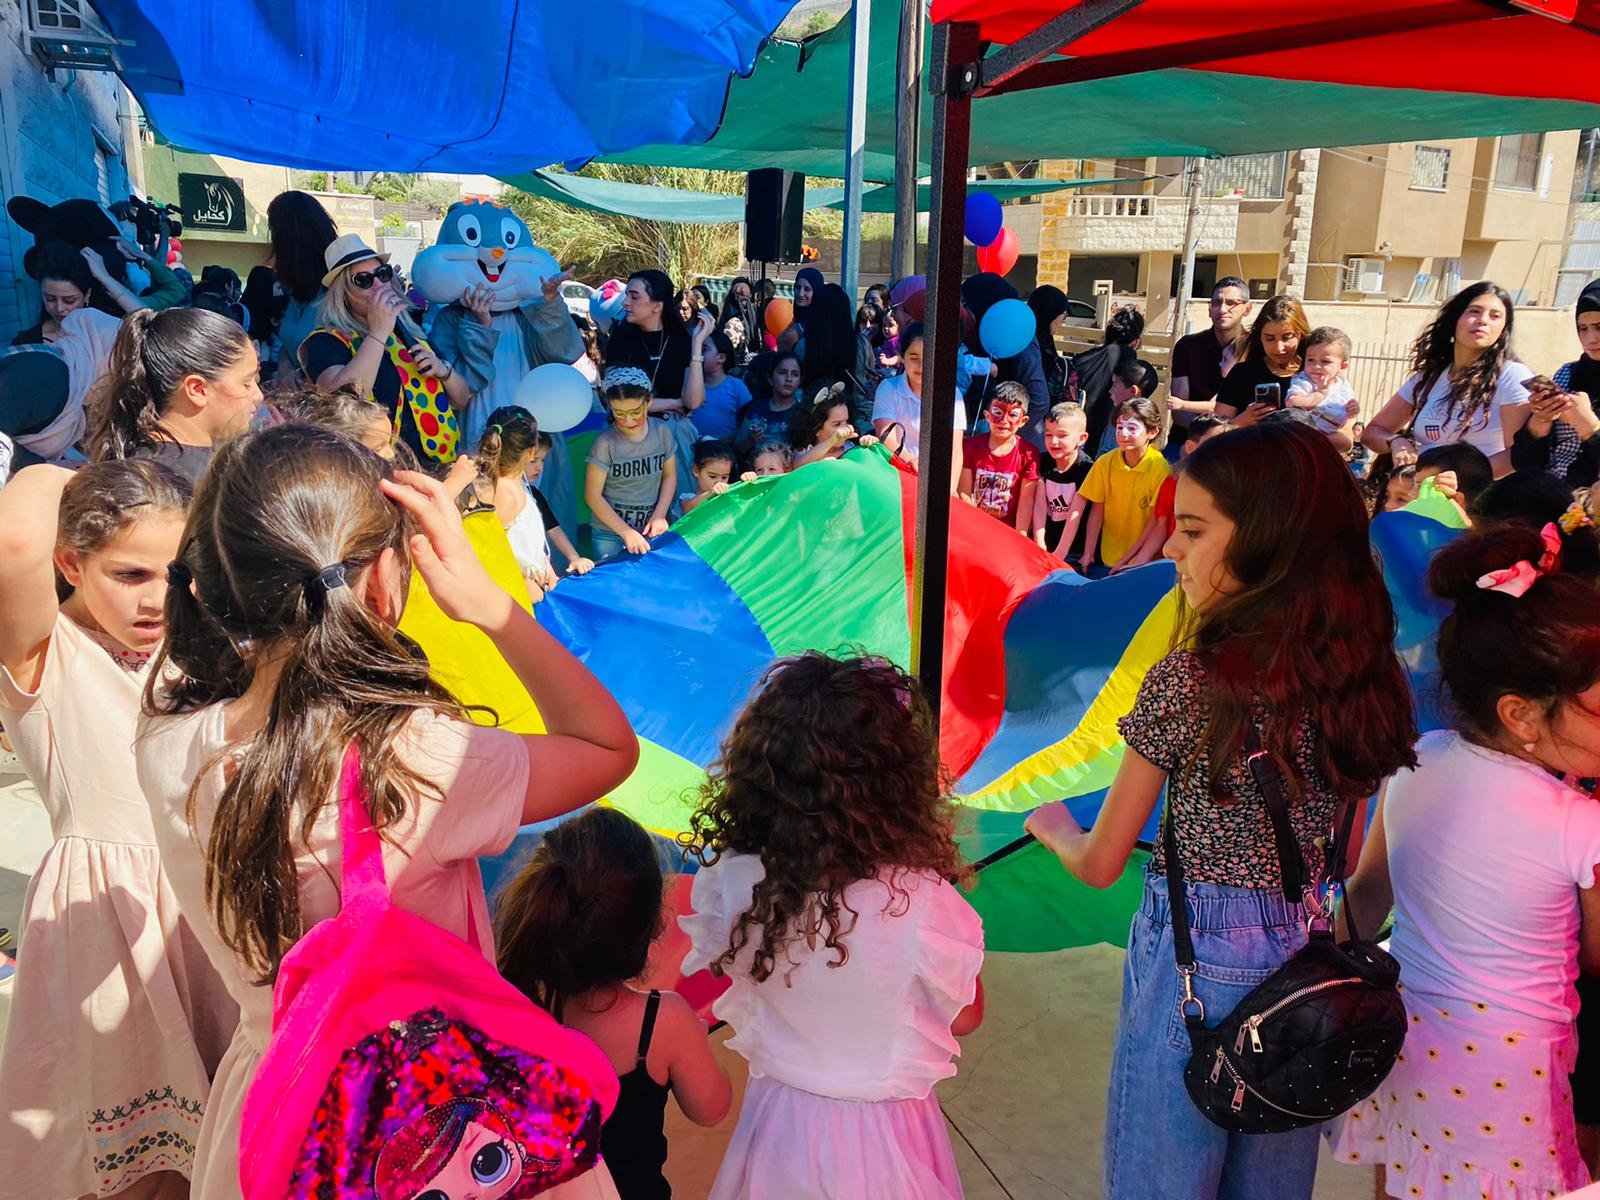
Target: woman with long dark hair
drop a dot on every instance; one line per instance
(652, 337)
(1269, 357)
(1286, 636)
(65, 285)
(301, 232)
(1562, 434)
(1467, 384)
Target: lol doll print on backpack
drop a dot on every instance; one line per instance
(378, 1083)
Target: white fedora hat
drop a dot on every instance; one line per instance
(345, 249)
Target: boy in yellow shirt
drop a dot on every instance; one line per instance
(1122, 486)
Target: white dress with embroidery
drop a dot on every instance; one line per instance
(118, 1018)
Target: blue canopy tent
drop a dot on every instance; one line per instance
(410, 85)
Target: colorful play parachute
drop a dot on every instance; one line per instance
(1039, 664)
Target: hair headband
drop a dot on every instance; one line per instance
(625, 377)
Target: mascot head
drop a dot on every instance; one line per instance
(483, 245)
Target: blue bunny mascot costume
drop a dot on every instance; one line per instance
(482, 244)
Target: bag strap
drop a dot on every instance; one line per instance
(360, 847)
(1291, 867)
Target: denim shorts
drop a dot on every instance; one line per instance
(1158, 1145)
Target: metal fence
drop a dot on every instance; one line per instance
(1377, 369)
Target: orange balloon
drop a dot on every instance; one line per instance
(780, 315)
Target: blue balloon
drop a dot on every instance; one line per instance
(1007, 328)
(984, 219)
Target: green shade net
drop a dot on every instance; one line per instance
(654, 203)
(791, 113)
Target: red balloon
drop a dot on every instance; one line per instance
(1000, 255)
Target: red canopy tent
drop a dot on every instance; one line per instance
(1531, 48)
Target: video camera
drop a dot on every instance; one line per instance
(147, 220)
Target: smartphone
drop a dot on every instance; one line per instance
(1268, 393)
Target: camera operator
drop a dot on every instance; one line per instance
(143, 246)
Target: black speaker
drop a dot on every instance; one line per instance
(774, 205)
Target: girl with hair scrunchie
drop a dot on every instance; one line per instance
(1488, 850)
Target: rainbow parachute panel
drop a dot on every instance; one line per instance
(1039, 664)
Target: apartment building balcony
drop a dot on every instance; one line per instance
(1137, 224)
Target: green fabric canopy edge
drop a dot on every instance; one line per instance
(655, 203)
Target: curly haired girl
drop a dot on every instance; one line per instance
(828, 902)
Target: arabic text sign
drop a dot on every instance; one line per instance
(212, 202)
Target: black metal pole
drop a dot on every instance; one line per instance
(953, 78)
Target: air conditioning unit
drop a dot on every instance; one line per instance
(1364, 275)
(69, 35)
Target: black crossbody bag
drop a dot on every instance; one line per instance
(1322, 1032)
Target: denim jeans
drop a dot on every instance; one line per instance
(606, 544)
(1158, 1146)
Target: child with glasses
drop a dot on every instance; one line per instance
(632, 470)
(1000, 471)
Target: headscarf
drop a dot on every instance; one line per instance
(812, 276)
(983, 291)
(911, 296)
(1048, 302)
(802, 316)
(1586, 371)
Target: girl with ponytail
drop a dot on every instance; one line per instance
(281, 654)
(1488, 851)
(116, 1019)
(575, 932)
(509, 446)
(180, 381)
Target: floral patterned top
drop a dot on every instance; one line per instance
(1230, 845)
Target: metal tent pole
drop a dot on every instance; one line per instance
(855, 149)
(907, 138)
(954, 77)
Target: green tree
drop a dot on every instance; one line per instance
(601, 246)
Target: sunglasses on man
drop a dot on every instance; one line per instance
(365, 279)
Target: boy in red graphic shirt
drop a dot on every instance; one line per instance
(999, 471)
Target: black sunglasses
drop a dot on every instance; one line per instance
(365, 279)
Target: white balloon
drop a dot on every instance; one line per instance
(558, 396)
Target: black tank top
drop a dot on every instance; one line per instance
(633, 1141)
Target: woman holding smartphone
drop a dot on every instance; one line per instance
(1270, 358)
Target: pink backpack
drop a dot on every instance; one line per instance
(401, 1063)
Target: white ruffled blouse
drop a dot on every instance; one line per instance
(876, 1028)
